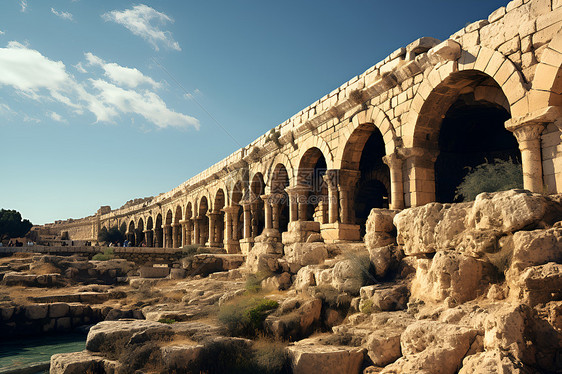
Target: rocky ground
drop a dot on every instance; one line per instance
(443, 288)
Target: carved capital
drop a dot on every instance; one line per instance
(418, 152)
(393, 160)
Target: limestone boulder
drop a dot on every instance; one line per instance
(295, 320)
(81, 362)
(278, 282)
(433, 347)
(383, 347)
(531, 248)
(538, 284)
(263, 256)
(303, 254)
(513, 210)
(450, 274)
(493, 362)
(112, 336)
(387, 261)
(351, 274)
(181, 358)
(380, 230)
(431, 227)
(505, 330)
(307, 357)
(384, 297)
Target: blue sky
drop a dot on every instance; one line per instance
(99, 100)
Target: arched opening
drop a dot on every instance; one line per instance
(203, 221)
(189, 218)
(237, 195)
(139, 234)
(168, 230)
(177, 229)
(257, 188)
(462, 122)
(159, 232)
(131, 234)
(220, 202)
(149, 232)
(364, 152)
(279, 182)
(312, 169)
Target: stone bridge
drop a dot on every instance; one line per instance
(401, 134)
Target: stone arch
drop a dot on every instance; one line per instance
(460, 124)
(444, 77)
(370, 118)
(178, 214)
(188, 210)
(280, 159)
(546, 87)
(257, 188)
(158, 231)
(320, 144)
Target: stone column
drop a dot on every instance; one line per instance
(159, 236)
(196, 227)
(213, 242)
(267, 211)
(186, 232)
(395, 164)
(175, 232)
(302, 202)
(148, 238)
(234, 218)
(293, 204)
(167, 236)
(331, 178)
(254, 220)
(246, 205)
(231, 226)
(346, 185)
(529, 139)
(420, 168)
(275, 205)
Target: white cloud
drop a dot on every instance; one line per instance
(138, 21)
(23, 5)
(191, 95)
(80, 68)
(147, 104)
(64, 15)
(5, 109)
(2, 32)
(37, 77)
(56, 117)
(121, 75)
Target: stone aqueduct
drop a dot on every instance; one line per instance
(384, 139)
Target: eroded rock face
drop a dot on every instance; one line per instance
(433, 347)
(450, 274)
(538, 284)
(263, 256)
(307, 357)
(493, 362)
(531, 248)
(80, 363)
(303, 254)
(112, 335)
(380, 230)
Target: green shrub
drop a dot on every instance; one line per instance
(270, 357)
(498, 175)
(253, 282)
(107, 254)
(168, 321)
(244, 316)
(366, 307)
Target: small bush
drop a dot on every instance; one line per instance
(168, 321)
(244, 316)
(270, 357)
(253, 282)
(190, 249)
(498, 175)
(362, 268)
(366, 307)
(108, 254)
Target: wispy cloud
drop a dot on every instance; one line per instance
(23, 5)
(35, 76)
(64, 15)
(56, 117)
(2, 32)
(124, 76)
(139, 20)
(191, 95)
(80, 68)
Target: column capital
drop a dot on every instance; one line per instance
(423, 153)
(527, 132)
(348, 178)
(231, 209)
(184, 221)
(544, 116)
(331, 178)
(393, 160)
(175, 224)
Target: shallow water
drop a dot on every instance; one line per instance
(22, 352)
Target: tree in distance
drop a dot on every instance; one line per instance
(12, 226)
